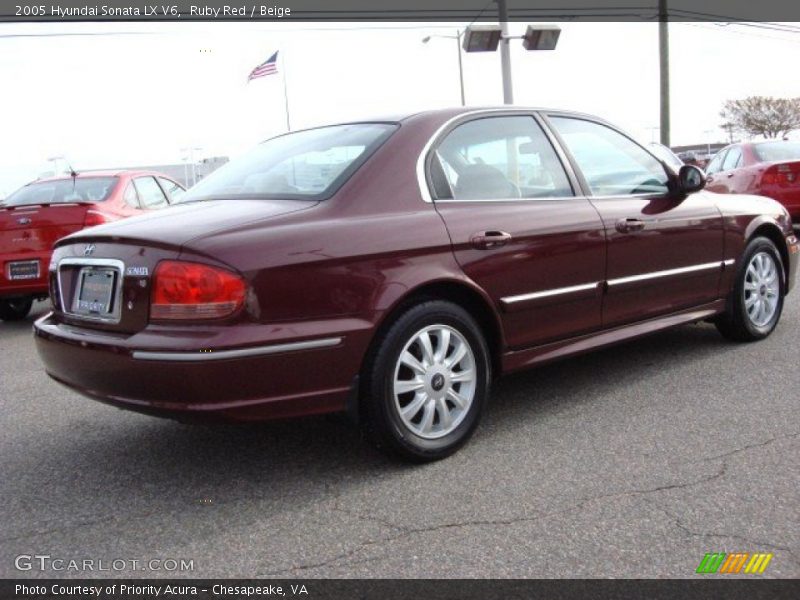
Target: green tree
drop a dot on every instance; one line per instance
(763, 115)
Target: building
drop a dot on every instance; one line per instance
(703, 153)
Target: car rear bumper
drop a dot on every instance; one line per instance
(10, 288)
(276, 379)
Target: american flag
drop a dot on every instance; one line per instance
(268, 67)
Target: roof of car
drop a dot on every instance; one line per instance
(458, 110)
(99, 173)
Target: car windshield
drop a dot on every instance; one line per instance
(310, 164)
(63, 191)
(775, 151)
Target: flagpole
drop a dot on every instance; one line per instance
(285, 92)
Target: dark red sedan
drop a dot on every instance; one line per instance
(38, 214)
(769, 169)
(393, 268)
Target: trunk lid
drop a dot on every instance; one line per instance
(177, 225)
(35, 228)
(129, 250)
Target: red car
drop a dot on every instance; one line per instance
(36, 215)
(393, 268)
(769, 169)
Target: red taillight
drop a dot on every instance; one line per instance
(781, 174)
(93, 218)
(184, 290)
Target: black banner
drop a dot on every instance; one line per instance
(394, 589)
(397, 10)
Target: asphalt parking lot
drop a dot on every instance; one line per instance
(630, 462)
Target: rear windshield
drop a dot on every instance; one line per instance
(61, 191)
(309, 164)
(775, 151)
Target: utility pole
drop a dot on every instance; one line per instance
(663, 63)
(505, 53)
(460, 67)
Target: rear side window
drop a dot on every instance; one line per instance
(172, 189)
(130, 196)
(78, 189)
(499, 158)
(612, 163)
(733, 159)
(150, 193)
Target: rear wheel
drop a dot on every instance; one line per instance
(756, 302)
(15, 309)
(427, 384)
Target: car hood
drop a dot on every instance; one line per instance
(179, 224)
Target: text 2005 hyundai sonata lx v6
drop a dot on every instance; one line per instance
(391, 268)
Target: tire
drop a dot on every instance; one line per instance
(15, 309)
(438, 402)
(755, 304)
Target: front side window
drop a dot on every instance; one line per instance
(149, 193)
(501, 158)
(307, 165)
(612, 164)
(716, 163)
(61, 191)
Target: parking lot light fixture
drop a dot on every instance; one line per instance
(541, 37)
(482, 38)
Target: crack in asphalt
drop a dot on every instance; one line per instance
(405, 532)
(755, 543)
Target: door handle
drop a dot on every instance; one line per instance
(730, 175)
(485, 240)
(629, 225)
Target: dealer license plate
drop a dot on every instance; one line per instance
(95, 292)
(26, 269)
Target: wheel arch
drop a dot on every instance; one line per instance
(771, 231)
(459, 292)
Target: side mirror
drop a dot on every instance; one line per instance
(691, 179)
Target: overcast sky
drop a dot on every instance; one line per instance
(138, 93)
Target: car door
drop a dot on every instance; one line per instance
(151, 195)
(727, 180)
(518, 228)
(713, 182)
(664, 251)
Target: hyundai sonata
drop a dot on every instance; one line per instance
(392, 268)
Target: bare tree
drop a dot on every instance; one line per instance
(763, 115)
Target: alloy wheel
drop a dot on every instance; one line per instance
(761, 289)
(434, 381)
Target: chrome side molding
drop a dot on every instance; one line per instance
(237, 353)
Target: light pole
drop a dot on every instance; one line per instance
(457, 38)
(190, 156)
(486, 38)
(505, 53)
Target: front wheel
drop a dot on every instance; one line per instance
(427, 384)
(15, 309)
(756, 302)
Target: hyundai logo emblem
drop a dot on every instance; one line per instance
(24, 221)
(88, 250)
